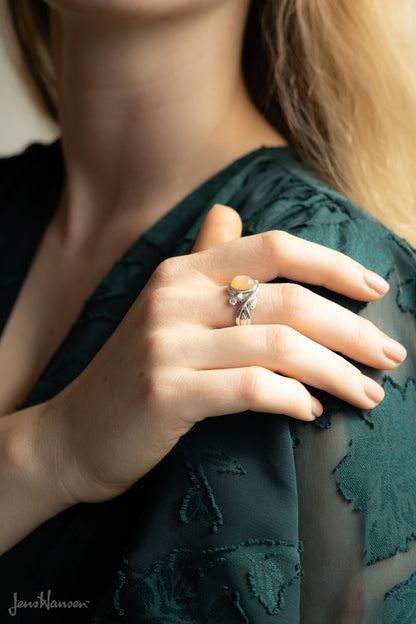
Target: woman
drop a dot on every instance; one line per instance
(200, 523)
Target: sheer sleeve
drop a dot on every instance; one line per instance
(356, 471)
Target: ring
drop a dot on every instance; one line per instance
(243, 291)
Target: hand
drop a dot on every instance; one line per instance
(178, 357)
(31, 449)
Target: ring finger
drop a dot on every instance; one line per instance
(321, 320)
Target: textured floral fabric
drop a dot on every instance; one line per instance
(252, 518)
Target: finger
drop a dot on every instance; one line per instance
(282, 349)
(319, 319)
(279, 254)
(221, 392)
(221, 224)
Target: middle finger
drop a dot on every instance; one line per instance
(321, 320)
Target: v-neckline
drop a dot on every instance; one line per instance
(181, 216)
(177, 214)
(46, 186)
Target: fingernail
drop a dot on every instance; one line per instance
(374, 392)
(393, 350)
(317, 408)
(375, 282)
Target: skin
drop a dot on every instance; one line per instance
(141, 128)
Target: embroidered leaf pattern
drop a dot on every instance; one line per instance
(223, 462)
(168, 603)
(379, 474)
(266, 582)
(406, 295)
(199, 505)
(171, 593)
(167, 595)
(192, 587)
(400, 603)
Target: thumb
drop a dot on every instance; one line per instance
(222, 224)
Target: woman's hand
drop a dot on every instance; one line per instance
(178, 357)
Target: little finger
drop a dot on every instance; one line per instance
(221, 392)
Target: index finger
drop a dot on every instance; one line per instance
(221, 224)
(276, 253)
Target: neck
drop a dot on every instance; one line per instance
(149, 109)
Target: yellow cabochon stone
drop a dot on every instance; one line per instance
(242, 282)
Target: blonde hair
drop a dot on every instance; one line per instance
(337, 78)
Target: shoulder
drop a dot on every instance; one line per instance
(287, 194)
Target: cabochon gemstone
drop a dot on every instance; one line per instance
(242, 282)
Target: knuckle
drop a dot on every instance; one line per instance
(251, 387)
(168, 270)
(272, 242)
(339, 260)
(280, 339)
(365, 331)
(149, 386)
(277, 245)
(155, 347)
(295, 299)
(335, 264)
(348, 376)
(154, 308)
(159, 390)
(155, 394)
(269, 238)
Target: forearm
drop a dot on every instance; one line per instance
(30, 491)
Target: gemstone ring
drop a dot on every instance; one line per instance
(243, 291)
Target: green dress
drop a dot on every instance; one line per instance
(252, 518)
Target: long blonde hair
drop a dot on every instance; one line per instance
(337, 78)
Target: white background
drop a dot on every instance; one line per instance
(21, 121)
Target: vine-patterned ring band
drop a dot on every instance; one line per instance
(243, 291)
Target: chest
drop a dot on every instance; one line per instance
(49, 302)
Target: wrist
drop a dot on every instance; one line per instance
(68, 454)
(30, 490)
(29, 459)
